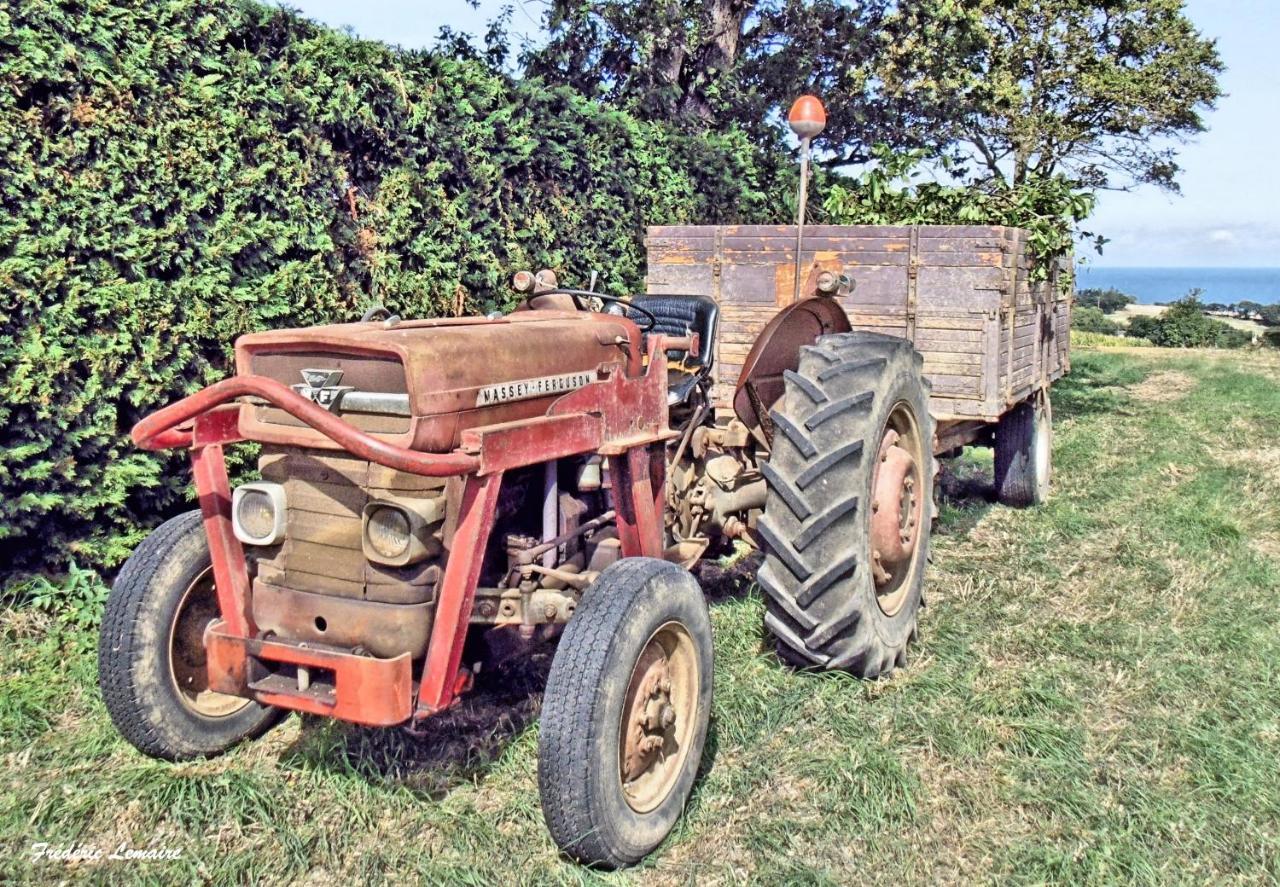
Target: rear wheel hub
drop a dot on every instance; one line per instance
(897, 511)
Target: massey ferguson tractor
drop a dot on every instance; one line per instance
(430, 486)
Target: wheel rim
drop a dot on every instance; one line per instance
(897, 507)
(659, 714)
(188, 663)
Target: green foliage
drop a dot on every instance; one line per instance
(1269, 315)
(74, 602)
(1099, 90)
(713, 63)
(892, 192)
(1185, 325)
(1108, 301)
(176, 174)
(1089, 319)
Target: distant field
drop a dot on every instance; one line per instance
(1095, 699)
(1130, 311)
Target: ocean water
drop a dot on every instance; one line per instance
(1152, 285)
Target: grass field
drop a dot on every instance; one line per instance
(1095, 698)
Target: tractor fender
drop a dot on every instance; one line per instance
(776, 350)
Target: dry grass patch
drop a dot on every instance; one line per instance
(1163, 387)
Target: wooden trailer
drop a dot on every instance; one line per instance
(991, 338)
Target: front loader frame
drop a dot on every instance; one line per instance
(624, 420)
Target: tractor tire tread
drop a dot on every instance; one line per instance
(820, 601)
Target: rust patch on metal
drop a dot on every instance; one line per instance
(649, 712)
(777, 350)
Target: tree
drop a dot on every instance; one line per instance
(1108, 300)
(1102, 91)
(665, 57)
(1270, 315)
(1185, 325)
(1089, 319)
(720, 63)
(1247, 310)
(1098, 91)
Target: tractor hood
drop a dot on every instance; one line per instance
(421, 383)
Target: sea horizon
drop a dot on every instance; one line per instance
(1152, 285)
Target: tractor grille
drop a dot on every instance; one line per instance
(316, 585)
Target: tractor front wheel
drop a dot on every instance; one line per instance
(151, 657)
(625, 713)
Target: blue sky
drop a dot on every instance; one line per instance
(1229, 210)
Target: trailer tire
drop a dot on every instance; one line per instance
(852, 460)
(151, 641)
(642, 626)
(1024, 452)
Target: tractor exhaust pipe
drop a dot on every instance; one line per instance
(806, 118)
(550, 510)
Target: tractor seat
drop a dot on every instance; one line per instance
(679, 316)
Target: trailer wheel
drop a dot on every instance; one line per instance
(1024, 449)
(625, 713)
(151, 659)
(849, 510)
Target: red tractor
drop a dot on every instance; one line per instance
(431, 486)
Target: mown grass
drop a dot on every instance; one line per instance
(1095, 698)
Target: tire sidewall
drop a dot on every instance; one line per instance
(1041, 439)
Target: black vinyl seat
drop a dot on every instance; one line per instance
(679, 315)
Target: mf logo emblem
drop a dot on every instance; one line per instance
(321, 386)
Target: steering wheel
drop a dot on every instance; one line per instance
(650, 321)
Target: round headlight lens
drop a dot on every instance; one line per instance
(257, 514)
(388, 531)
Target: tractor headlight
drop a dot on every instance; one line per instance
(258, 513)
(387, 531)
(401, 531)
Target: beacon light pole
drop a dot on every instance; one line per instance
(806, 118)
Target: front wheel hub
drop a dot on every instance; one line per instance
(651, 714)
(659, 714)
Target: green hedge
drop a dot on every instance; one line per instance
(175, 173)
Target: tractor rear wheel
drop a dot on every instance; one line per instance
(850, 505)
(625, 713)
(1023, 457)
(151, 658)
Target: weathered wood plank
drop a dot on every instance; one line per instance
(966, 274)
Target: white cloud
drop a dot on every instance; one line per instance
(1246, 244)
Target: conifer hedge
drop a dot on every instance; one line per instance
(177, 172)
